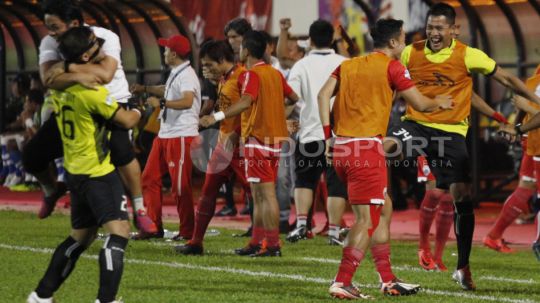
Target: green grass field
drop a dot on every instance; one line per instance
(154, 274)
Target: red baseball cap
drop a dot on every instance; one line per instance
(177, 43)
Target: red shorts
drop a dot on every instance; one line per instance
(360, 163)
(526, 171)
(261, 161)
(424, 172)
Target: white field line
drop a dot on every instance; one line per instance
(267, 274)
(412, 268)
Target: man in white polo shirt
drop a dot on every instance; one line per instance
(56, 73)
(306, 78)
(180, 103)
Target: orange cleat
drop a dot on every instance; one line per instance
(426, 260)
(497, 245)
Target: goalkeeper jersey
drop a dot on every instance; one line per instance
(81, 115)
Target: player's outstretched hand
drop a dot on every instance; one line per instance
(507, 133)
(285, 24)
(206, 121)
(445, 102)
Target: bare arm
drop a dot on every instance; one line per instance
(156, 90)
(207, 107)
(524, 105)
(480, 105)
(53, 76)
(104, 70)
(323, 98)
(127, 118)
(184, 103)
(422, 103)
(512, 82)
(282, 47)
(290, 103)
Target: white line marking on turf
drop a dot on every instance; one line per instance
(520, 281)
(267, 274)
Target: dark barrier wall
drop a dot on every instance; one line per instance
(138, 23)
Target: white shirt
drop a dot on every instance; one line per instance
(307, 77)
(181, 122)
(118, 87)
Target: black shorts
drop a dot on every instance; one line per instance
(43, 147)
(121, 147)
(336, 187)
(96, 201)
(310, 164)
(446, 152)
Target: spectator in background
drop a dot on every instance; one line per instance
(234, 32)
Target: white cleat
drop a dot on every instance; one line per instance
(33, 298)
(351, 292)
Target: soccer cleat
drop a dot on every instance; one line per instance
(440, 265)
(48, 203)
(189, 249)
(34, 298)
(464, 278)
(536, 249)
(333, 241)
(144, 222)
(141, 235)
(351, 292)
(426, 260)
(497, 245)
(299, 233)
(226, 211)
(267, 252)
(247, 250)
(399, 288)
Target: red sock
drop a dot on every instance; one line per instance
(203, 215)
(513, 207)
(272, 237)
(349, 262)
(428, 210)
(381, 258)
(257, 235)
(443, 224)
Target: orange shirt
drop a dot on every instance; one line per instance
(533, 140)
(364, 101)
(450, 77)
(228, 94)
(265, 119)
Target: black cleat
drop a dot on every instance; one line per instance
(399, 288)
(248, 250)
(268, 252)
(189, 249)
(536, 249)
(142, 235)
(299, 233)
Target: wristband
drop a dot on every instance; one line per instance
(219, 116)
(66, 66)
(327, 131)
(499, 118)
(517, 127)
(162, 103)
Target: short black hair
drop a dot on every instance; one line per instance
(74, 42)
(321, 33)
(443, 9)
(36, 96)
(239, 25)
(267, 37)
(255, 43)
(384, 30)
(217, 50)
(66, 10)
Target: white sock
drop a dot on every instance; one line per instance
(333, 230)
(138, 203)
(301, 221)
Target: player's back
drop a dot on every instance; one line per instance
(82, 115)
